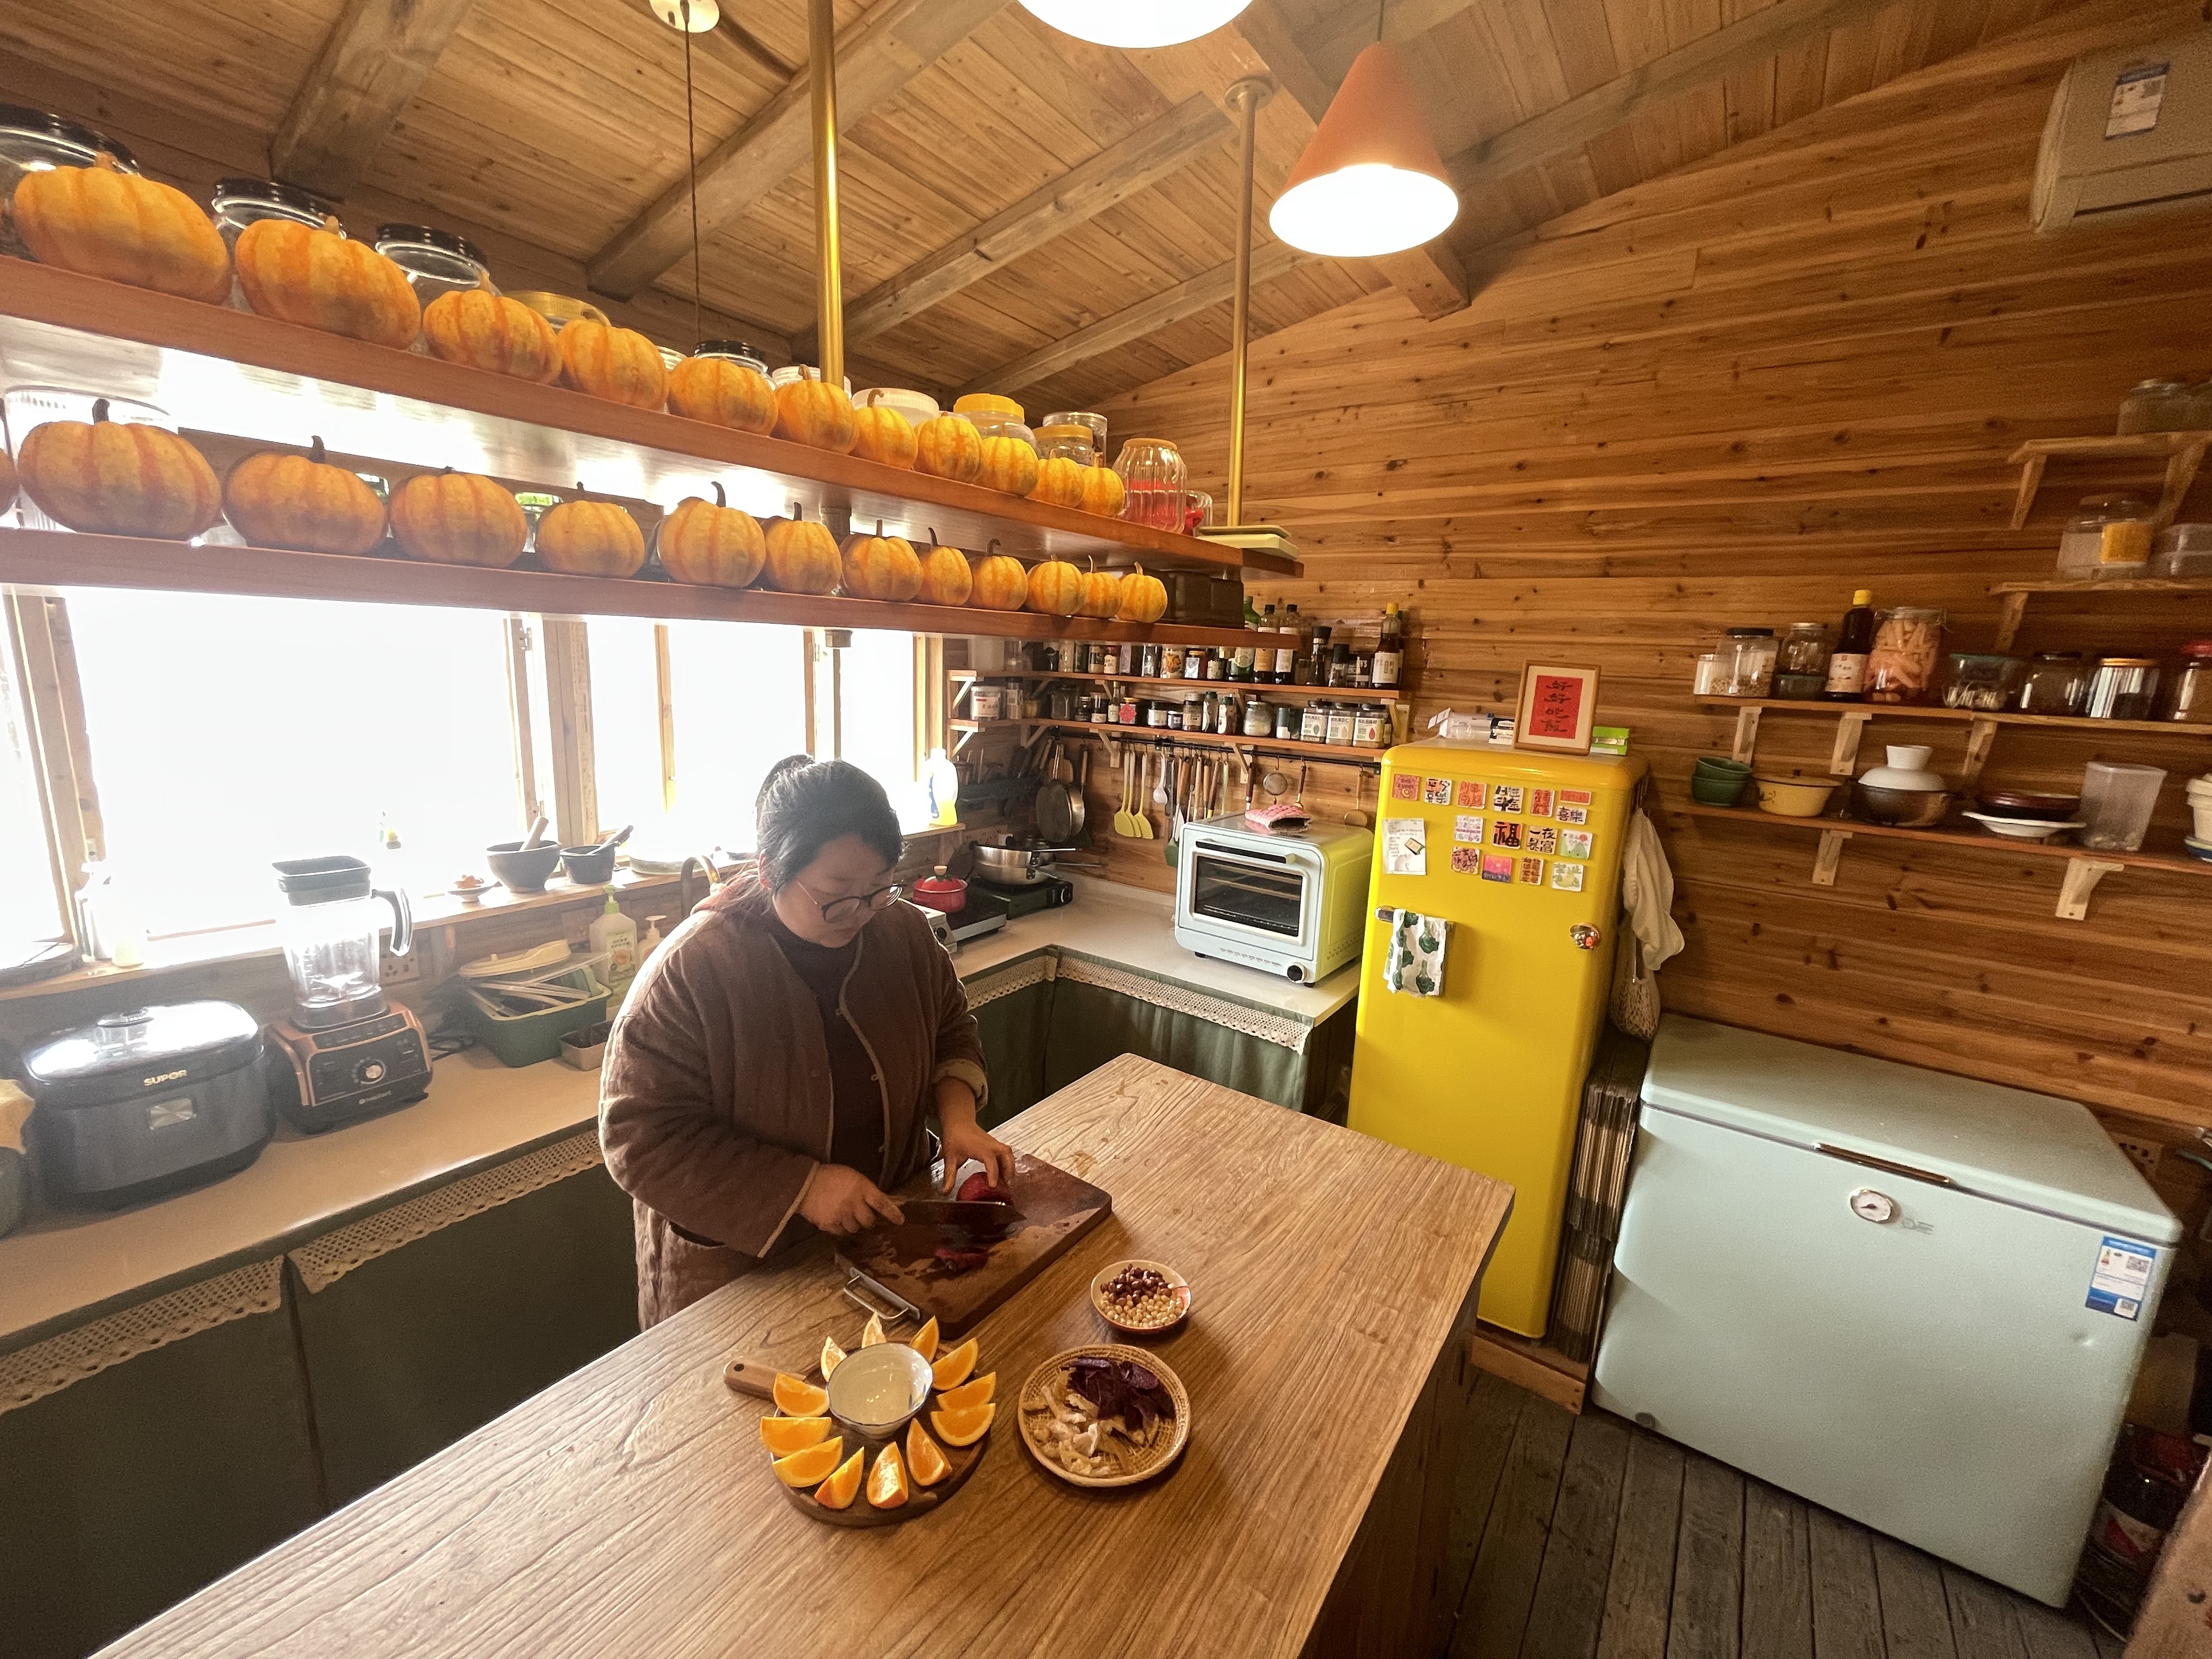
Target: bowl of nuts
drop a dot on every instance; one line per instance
(1140, 1296)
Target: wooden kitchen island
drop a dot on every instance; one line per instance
(629, 1510)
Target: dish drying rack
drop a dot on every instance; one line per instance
(535, 981)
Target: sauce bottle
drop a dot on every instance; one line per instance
(1847, 666)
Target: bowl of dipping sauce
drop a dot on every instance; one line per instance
(1140, 1296)
(875, 1391)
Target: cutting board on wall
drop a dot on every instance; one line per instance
(1056, 1209)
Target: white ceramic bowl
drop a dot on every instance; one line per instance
(1178, 1288)
(2022, 828)
(875, 1391)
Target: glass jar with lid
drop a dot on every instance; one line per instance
(1343, 723)
(1066, 442)
(1908, 650)
(1370, 725)
(32, 141)
(732, 351)
(1984, 682)
(2189, 695)
(794, 372)
(2055, 683)
(238, 203)
(1748, 658)
(1153, 472)
(2184, 551)
(1093, 424)
(2122, 688)
(995, 416)
(1804, 649)
(435, 261)
(1313, 725)
(2082, 543)
(2155, 406)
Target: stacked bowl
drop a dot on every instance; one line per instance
(1716, 780)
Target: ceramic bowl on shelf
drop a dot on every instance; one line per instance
(2024, 804)
(1717, 788)
(1722, 765)
(1794, 797)
(1907, 769)
(1899, 809)
(2200, 850)
(2018, 829)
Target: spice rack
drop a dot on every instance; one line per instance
(1341, 754)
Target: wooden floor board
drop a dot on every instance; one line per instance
(1846, 1604)
(1916, 1618)
(1569, 1608)
(1777, 1584)
(1640, 1590)
(1494, 1413)
(2049, 1635)
(1982, 1617)
(1494, 1613)
(1706, 1621)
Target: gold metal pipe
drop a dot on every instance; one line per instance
(821, 75)
(1245, 97)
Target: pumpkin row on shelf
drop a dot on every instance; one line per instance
(105, 220)
(106, 478)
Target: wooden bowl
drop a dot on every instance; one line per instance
(1030, 1408)
(1178, 1288)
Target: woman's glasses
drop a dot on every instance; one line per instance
(838, 911)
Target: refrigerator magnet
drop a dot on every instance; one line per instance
(1557, 708)
(1467, 826)
(1541, 838)
(1540, 803)
(1572, 815)
(1405, 847)
(1497, 866)
(1532, 873)
(1406, 786)
(1575, 797)
(1507, 798)
(1504, 832)
(1465, 860)
(1470, 794)
(1566, 878)
(1436, 792)
(1576, 843)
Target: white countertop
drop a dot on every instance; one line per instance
(479, 1111)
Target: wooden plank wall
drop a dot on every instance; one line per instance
(1731, 396)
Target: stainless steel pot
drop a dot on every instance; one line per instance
(1013, 865)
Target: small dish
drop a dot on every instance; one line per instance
(1034, 1406)
(876, 1390)
(1178, 1292)
(2020, 804)
(471, 890)
(2023, 829)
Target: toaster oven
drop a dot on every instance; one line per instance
(1289, 901)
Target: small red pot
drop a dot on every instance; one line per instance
(942, 892)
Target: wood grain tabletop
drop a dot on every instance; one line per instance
(628, 1509)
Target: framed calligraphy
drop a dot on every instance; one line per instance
(1557, 708)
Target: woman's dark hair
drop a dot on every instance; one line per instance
(806, 804)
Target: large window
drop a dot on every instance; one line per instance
(30, 910)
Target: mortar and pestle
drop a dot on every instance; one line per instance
(593, 866)
(524, 866)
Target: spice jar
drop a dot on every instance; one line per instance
(1172, 658)
(1748, 658)
(1258, 720)
(1313, 726)
(1343, 721)
(2155, 406)
(1193, 712)
(1228, 715)
(2055, 683)
(2190, 696)
(435, 261)
(2081, 545)
(1804, 650)
(1216, 664)
(2122, 688)
(1982, 681)
(1153, 472)
(1286, 721)
(1148, 662)
(1369, 723)
(32, 141)
(1908, 648)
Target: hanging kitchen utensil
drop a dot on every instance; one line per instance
(1123, 822)
(1276, 783)
(1176, 782)
(1142, 811)
(1058, 809)
(1356, 818)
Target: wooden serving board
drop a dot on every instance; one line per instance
(1056, 1209)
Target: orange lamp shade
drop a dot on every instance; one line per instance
(1371, 181)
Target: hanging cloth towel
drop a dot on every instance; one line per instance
(1647, 893)
(1416, 964)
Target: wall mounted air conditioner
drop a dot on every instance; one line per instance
(2130, 132)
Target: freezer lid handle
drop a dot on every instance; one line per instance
(1886, 1165)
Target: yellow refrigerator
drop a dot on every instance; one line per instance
(1518, 855)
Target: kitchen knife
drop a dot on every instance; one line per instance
(954, 1212)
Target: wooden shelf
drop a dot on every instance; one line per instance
(233, 372)
(59, 558)
(1394, 697)
(2182, 451)
(1341, 754)
(2085, 867)
(2081, 723)
(2014, 597)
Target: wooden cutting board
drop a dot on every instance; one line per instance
(1056, 1209)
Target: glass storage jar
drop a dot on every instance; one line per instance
(2122, 688)
(1153, 471)
(1805, 649)
(32, 141)
(1313, 726)
(2182, 551)
(1343, 722)
(1093, 424)
(436, 261)
(1258, 718)
(1747, 657)
(995, 416)
(1984, 682)
(1908, 649)
(2055, 683)
(2189, 695)
(741, 352)
(2082, 543)
(238, 203)
(791, 372)
(2155, 406)
(1197, 509)
(1066, 442)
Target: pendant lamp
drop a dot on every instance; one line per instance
(1135, 22)
(1371, 181)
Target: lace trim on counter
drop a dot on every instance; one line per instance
(1020, 977)
(321, 1263)
(1277, 1029)
(48, 1367)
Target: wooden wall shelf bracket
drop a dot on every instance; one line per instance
(1850, 726)
(1830, 855)
(1746, 734)
(2082, 876)
(2182, 451)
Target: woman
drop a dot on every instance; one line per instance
(771, 1071)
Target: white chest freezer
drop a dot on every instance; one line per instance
(1916, 1299)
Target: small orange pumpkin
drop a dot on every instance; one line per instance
(817, 414)
(491, 332)
(107, 479)
(881, 567)
(7, 480)
(883, 435)
(1009, 465)
(584, 537)
(802, 555)
(316, 276)
(1056, 587)
(949, 446)
(947, 578)
(722, 391)
(1102, 594)
(1059, 480)
(618, 364)
(457, 518)
(711, 544)
(103, 221)
(303, 502)
(1103, 492)
(1144, 598)
(1001, 584)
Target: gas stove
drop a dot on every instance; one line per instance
(989, 908)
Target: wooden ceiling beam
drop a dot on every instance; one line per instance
(876, 55)
(1334, 42)
(1185, 299)
(370, 65)
(1115, 173)
(1740, 46)
(1430, 275)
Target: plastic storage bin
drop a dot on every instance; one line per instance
(527, 1039)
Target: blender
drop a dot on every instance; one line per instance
(344, 1053)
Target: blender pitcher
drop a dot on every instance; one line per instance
(329, 926)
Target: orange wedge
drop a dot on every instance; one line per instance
(962, 1428)
(796, 1397)
(923, 1459)
(977, 1393)
(950, 1372)
(925, 1339)
(887, 1484)
(783, 1436)
(831, 1353)
(814, 1465)
(873, 1333)
(839, 1490)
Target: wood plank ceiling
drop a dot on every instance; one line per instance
(560, 125)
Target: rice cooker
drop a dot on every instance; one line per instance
(146, 1101)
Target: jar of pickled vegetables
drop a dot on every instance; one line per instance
(1153, 472)
(1908, 649)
